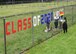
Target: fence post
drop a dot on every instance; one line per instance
(72, 14)
(32, 32)
(54, 2)
(63, 9)
(67, 2)
(4, 35)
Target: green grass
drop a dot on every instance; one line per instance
(59, 44)
(6, 10)
(19, 41)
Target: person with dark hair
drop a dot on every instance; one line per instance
(65, 19)
(65, 25)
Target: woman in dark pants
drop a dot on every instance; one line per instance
(56, 23)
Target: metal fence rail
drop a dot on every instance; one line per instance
(21, 40)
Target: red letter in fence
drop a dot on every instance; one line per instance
(13, 30)
(19, 25)
(29, 22)
(25, 24)
(6, 25)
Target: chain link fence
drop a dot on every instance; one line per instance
(18, 34)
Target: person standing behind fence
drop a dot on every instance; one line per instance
(61, 20)
(56, 22)
(61, 14)
(57, 15)
(47, 21)
(65, 25)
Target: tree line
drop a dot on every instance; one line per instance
(22, 1)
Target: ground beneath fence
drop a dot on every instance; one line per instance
(59, 44)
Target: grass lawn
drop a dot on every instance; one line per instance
(6, 10)
(59, 44)
(20, 40)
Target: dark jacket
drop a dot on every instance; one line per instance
(65, 25)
